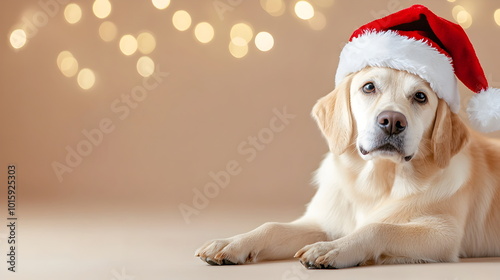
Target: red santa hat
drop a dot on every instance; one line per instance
(419, 42)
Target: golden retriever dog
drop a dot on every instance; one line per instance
(405, 181)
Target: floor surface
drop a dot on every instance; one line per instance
(116, 245)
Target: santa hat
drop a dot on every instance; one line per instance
(419, 42)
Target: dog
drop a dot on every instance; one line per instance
(405, 181)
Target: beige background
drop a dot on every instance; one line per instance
(119, 208)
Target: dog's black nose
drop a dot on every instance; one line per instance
(391, 122)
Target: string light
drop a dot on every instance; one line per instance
(67, 64)
(241, 34)
(145, 66)
(238, 51)
(273, 7)
(304, 10)
(181, 20)
(72, 13)
(161, 4)
(101, 8)
(107, 31)
(204, 32)
(264, 41)
(318, 22)
(86, 78)
(461, 16)
(496, 16)
(18, 38)
(146, 43)
(128, 44)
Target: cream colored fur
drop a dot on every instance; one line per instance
(379, 208)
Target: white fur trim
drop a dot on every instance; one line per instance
(484, 110)
(389, 49)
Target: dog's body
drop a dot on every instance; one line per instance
(405, 182)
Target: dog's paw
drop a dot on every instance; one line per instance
(225, 252)
(330, 254)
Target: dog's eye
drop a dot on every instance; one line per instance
(369, 88)
(420, 97)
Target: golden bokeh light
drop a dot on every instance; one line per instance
(204, 32)
(62, 55)
(241, 34)
(461, 16)
(318, 22)
(464, 19)
(161, 4)
(496, 16)
(145, 66)
(146, 43)
(128, 44)
(101, 8)
(86, 78)
(451, 1)
(456, 10)
(72, 13)
(264, 41)
(108, 31)
(181, 20)
(67, 64)
(273, 7)
(18, 38)
(238, 51)
(304, 10)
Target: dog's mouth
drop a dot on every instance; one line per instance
(386, 148)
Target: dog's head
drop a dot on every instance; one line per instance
(391, 114)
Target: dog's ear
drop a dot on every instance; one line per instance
(449, 135)
(333, 115)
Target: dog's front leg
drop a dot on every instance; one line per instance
(270, 241)
(429, 239)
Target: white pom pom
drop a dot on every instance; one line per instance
(484, 110)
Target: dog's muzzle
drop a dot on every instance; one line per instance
(390, 140)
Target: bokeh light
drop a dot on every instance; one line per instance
(145, 66)
(181, 20)
(238, 51)
(72, 13)
(128, 44)
(496, 16)
(146, 43)
(67, 63)
(161, 4)
(264, 41)
(69, 66)
(241, 34)
(108, 31)
(318, 22)
(86, 78)
(204, 32)
(101, 8)
(304, 10)
(461, 16)
(273, 7)
(18, 38)
(62, 55)
(456, 10)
